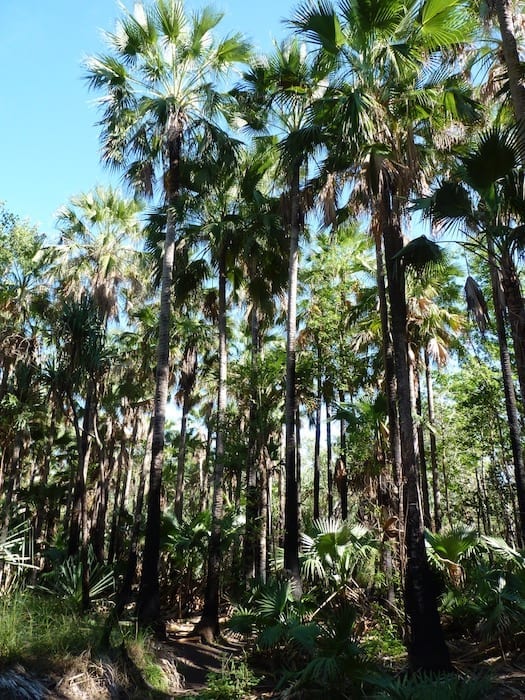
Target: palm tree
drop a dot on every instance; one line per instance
(485, 199)
(159, 92)
(383, 100)
(277, 94)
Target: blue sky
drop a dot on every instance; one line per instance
(49, 140)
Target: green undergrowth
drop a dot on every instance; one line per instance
(35, 626)
(49, 636)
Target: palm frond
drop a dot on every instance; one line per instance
(421, 255)
(476, 304)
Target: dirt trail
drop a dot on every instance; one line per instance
(194, 660)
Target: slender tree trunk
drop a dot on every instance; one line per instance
(516, 315)
(187, 383)
(298, 464)
(329, 474)
(511, 55)
(427, 520)
(253, 456)
(390, 377)
(433, 447)
(148, 601)
(317, 445)
(131, 566)
(291, 511)
(427, 649)
(208, 625)
(265, 505)
(508, 386)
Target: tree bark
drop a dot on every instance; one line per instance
(433, 447)
(317, 444)
(427, 650)
(291, 510)
(508, 386)
(148, 600)
(208, 625)
(511, 55)
(516, 315)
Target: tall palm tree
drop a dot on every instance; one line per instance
(277, 95)
(383, 99)
(159, 92)
(485, 197)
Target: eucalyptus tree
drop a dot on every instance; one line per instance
(484, 196)
(384, 103)
(159, 91)
(276, 96)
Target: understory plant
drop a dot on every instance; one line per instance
(432, 687)
(320, 653)
(484, 584)
(233, 682)
(64, 580)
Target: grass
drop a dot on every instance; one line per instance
(48, 636)
(32, 626)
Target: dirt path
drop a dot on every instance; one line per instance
(194, 660)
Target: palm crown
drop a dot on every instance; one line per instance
(159, 82)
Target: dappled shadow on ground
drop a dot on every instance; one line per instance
(196, 660)
(505, 668)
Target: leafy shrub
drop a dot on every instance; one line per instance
(65, 579)
(233, 682)
(488, 596)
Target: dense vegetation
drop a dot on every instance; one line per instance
(278, 385)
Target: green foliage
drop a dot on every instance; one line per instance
(139, 648)
(233, 682)
(13, 553)
(320, 654)
(65, 579)
(433, 687)
(487, 577)
(36, 625)
(338, 552)
(447, 550)
(383, 638)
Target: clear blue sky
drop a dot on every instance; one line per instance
(48, 138)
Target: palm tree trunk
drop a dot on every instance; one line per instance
(208, 625)
(291, 509)
(188, 376)
(508, 386)
(265, 506)
(254, 459)
(317, 444)
(148, 600)
(390, 383)
(433, 447)
(427, 650)
(329, 475)
(427, 520)
(511, 55)
(131, 565)
(516, 315)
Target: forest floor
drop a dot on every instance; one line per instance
(186, 663)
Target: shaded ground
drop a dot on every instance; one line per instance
(187, 662)
(194, 659)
